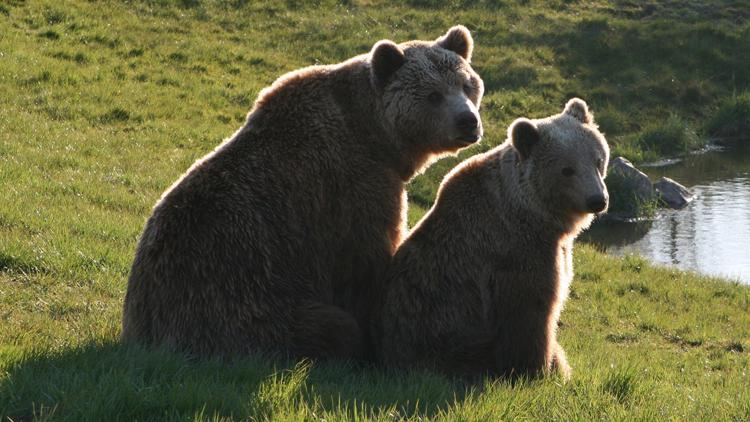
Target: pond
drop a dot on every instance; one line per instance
(711, 235)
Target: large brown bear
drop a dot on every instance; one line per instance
(271, 242)
(478, 286)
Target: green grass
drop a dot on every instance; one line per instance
(105, 104)
(645, 343)
(732, 119)
(670, 137)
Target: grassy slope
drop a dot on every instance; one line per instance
(105, 104)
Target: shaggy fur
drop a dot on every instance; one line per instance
(272, 241)
(478, 286)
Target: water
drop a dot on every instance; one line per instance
(711, 235)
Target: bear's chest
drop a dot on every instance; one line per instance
(519, 281)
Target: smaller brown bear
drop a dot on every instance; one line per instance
(478, 286)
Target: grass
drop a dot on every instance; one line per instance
(105, 104)
(671, 137)
(732, 119)
(645, 343)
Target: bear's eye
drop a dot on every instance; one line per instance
(568, 171)
(435, 97)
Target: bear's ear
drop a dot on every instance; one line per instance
(524, 136)
(578, 108)
(458, 40)
(385, 59)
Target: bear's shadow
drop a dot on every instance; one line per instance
(100, 380)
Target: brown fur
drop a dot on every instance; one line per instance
(271, 242)
(478, 286)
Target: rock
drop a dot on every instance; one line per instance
(634, 179)
(630, 192)
(672, 194)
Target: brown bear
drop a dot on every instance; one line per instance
(478, 286)
(272, 241)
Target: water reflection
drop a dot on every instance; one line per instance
(711, 235)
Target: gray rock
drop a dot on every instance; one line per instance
(630, 192)
(633, 179)
(672, 194)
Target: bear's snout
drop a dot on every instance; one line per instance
(597, 203)
(468, 125)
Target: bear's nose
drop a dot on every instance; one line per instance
(467, 122)
(597, 203)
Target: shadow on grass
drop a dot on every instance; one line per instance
(644, 68)
(15, 264)
(656, 63)
(97, 381)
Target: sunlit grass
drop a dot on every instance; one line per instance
(105, 104)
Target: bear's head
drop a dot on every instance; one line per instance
(429, 93)
(562, 162)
